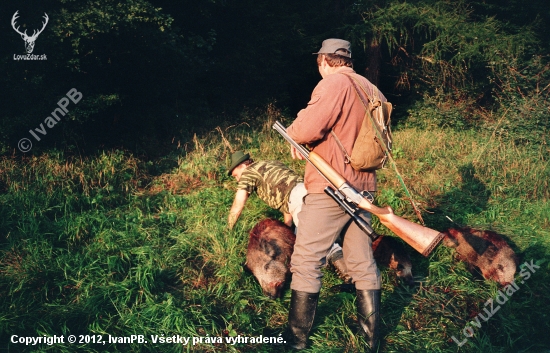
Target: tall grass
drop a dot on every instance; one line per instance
(114, 245)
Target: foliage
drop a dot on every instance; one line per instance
(441, 41)
(110, 241)
(127, 58)
(114, 245)
(153, 71)
(451, 55)
(524, 104)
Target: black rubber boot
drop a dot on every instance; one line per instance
(300, 318)
(368, 313)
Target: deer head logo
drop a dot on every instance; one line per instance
(29, 40)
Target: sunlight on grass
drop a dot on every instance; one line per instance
(102, 245)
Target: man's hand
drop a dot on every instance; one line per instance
(295, 154)
(238, 204)
(287, 219)
(231, 220)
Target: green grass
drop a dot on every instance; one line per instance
(115, 245)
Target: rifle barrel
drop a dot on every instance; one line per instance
(282, 130)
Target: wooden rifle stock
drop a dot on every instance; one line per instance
(422, 239)
(326, 169)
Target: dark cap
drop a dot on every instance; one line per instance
(236, 159)
(335, 46)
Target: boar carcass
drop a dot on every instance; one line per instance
(485, 250)
(389, 252)
(270, 247)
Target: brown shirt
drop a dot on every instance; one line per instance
(334, 105)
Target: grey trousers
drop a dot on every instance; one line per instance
(321, 221)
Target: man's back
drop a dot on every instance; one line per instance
(334, 105)
(272, 180)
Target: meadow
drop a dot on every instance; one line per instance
(113, 244)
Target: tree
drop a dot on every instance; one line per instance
(131, 64)
(443, 48)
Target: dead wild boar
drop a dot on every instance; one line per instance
(484, 249)
(389, 252)
(271, 244)
(270, 247)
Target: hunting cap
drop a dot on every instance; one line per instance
(236, 159)
(335, 46)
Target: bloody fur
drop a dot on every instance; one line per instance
(271, 244)
(485, 250)
(270, 247)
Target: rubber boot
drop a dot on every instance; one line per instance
(368, 313)
(300, 318)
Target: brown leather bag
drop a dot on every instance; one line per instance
(374, 141)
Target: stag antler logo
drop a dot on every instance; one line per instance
(29, 40)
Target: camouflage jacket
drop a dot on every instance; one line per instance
(272, 180)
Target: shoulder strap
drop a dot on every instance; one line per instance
(366, 103)
(347, 158)
(374, 101)
(375, 104)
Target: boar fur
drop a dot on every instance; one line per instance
(485, 250)
(271, 244)
(389, 252)
(270, 247)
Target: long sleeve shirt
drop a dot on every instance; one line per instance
(334, 105)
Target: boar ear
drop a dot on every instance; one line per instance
(477, 243)
(270, 248)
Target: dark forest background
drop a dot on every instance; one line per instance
(114, 223)
(152, 71)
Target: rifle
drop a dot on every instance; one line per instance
(351, 210)
(421, 238)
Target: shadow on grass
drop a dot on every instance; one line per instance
(393, 306)
(471, 197)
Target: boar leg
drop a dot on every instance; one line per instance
(368, 310)
(300, 318)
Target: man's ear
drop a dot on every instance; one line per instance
(324, 60)
(241, 168)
